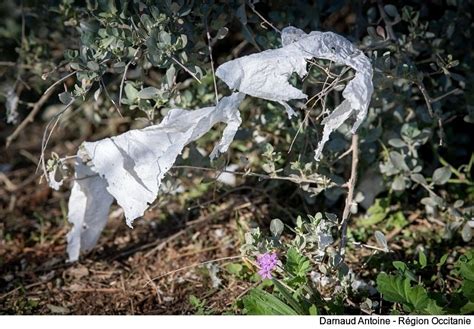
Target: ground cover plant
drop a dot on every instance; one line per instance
(274, 157)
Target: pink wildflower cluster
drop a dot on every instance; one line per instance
(266, 262)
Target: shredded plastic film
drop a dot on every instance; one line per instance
(265, 75)
(130, 167)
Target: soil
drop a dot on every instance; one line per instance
(153, 268)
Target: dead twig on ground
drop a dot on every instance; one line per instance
(192, 266)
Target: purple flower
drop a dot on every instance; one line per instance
(267, 262)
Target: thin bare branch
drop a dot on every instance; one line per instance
(212, 61)
(125, 75)
(186, 69)
(251, 5)
(37, 106)
(109, 97)
(296, 180)
(350, 193)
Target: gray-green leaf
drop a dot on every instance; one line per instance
(398, 184)
(148, 93)
(441, 175)
(381, 240)
(65, 97)
(466, 232)
(276, 227)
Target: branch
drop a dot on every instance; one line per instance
(429, 101)
(186, 69)
(125, 75)
(212, 60)
(388, 22)
(296, 180)
(350, 193)
(37, 106)
(251, 5)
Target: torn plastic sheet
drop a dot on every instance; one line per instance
(130, 167)
(266, 74)
(89, 206)
(11, 105)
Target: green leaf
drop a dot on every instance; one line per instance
(164, 37)
(466, 269)
(403, 269)
(376, 213)
(418, 298)
(394, 289)
(313, 310)
(260, 302)
(397, 220)
(443, 259)
(401, 266)
(433, 309)
(422, 259)
(468, 289)
(234, 268)
(289, 297)
(297, 264)
(441, 175)
(398, 290)
(468, 308)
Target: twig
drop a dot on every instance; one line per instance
(429, 101)
(209, 47)
(102, 290)
(125, 75)
(162, 244)
(23, 287)
(245, 291)
(45, 139)
(186, 69)
(3, 63)
(343, 155)
(251, 5)
(368, 246)
(437, 99)
(296, 180)
(38, 105)
(350, 193)
(192, 266)
(102, 84)
(191, 253)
